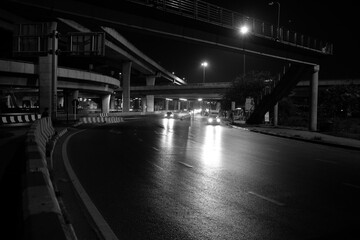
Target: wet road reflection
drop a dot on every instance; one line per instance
(187, 180)
(212, 148)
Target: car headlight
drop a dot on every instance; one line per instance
(218, 120)
(210, 120)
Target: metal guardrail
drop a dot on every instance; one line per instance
(216, 15)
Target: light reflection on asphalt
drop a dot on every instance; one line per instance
(212, 147)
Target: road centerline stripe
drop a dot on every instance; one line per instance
(267, 199)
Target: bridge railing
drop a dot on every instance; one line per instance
(216, 15)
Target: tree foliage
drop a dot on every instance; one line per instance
(340, 101)
(250, 85)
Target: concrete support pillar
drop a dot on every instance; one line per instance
(166, 104)
(276, 114)
(126, 72)
(314, 98)
(179, 105)
(143, 104)
(150, 81)
(276, 107)
(105, 103)
(48, 75)
(112, 102)
(150, 103)
(70, 97)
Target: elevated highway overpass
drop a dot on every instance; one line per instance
(193, 21)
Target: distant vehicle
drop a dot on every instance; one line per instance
(213, 119)
(183, 114)
(169, 115)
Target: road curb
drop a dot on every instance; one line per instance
(43, 217)
(300, 138)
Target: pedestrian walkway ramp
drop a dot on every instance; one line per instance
(288, 81)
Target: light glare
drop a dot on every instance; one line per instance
(244, 29)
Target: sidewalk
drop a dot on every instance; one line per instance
(303, 135)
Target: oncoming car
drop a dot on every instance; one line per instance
(213, 119)
(169, 115)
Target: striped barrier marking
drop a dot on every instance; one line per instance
(88, 120)
(3, 119)
(20, 119)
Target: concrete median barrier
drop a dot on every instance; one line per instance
(43, 218)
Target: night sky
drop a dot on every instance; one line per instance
(334, 21)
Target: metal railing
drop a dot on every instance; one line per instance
(216, 15)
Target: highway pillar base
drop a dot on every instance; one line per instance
(314, 98)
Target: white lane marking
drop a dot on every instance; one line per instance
(325, 161)
(155, 149)
(185, 164)
(267, 199)
(156, 165)
(98, 219)
(352, 185)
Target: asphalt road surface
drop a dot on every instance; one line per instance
(182, 179)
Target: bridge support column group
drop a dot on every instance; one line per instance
(314, 98)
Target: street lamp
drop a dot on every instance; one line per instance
(204, 65)
(244, 30)
(278, 19)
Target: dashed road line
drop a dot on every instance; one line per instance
(155, 149)
(155, 165)
(185, 164)
(267, 199)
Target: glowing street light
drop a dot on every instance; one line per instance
(204, 65)
(244, 29)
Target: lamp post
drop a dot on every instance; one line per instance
(278, 19)
(204, 65)
(244, 30)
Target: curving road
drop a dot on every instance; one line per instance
(170, 179)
